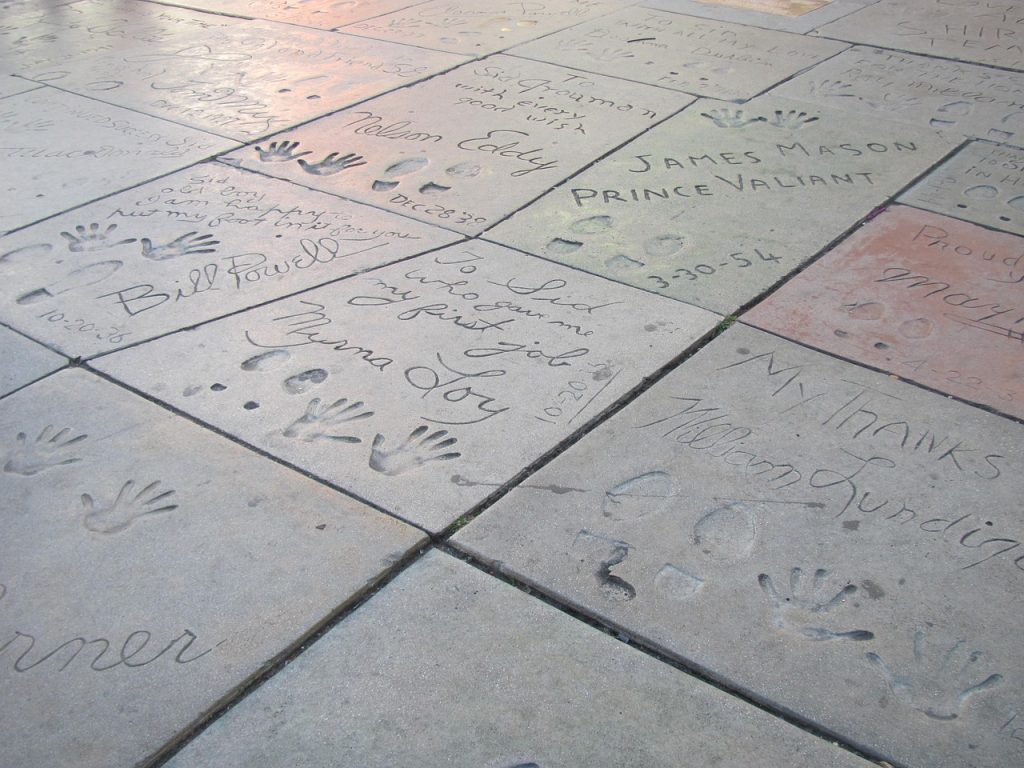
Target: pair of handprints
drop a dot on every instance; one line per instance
(323, 421)
(287, 151)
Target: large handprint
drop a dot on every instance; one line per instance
(418, 449)
(808, 599)
(49, 449)
(319, 418)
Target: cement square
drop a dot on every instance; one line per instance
(480, 27)
(468, 147)
(712, 206)
(321, 14)
(785, 15)
(830, 540)
(184, 249)
(66, 150)
(11, 85)
(247, 80)
(682, 53)
(982, 182)
(62, 36)
(24, 361)
(967, 30)
(521, 684)
(926, 297)
(148, 568)
(955, 99)
(472, 361)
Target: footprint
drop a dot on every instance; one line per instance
(303, 382)
(661, 246)
(591, 225)
(869, 310)
(637, 496)
(383, 186)
(676, 584)
(266, 360)
(78, 278)
(464, 170)
(622, 260)
(430, 188)
(726, 533)
(982, 192)
(562, 247)
(917, 328)
(36, 250)
(1017, 203)
(407, 165)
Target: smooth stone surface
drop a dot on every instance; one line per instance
(983, 183)
(845, 546)
(955, 99)
(187, 248)
(472, 362)
(468, 147)
(785, 15)
(321, 14)
(247, 80)
(479, 27)
(66, 150)
(533, 687)
(989, 32)
(926, 297)
(711, 207)
(24, 361)
(148, 568)
(707, 58)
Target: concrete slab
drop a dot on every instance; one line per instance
(61, 35)
(67, 150)
(321, 14)
(248, 80)
(469, 147)
(784, 15)
(711, 207)
(532, 686)
(967, 30)
(11, 85)
(861, 535)
(184, 249)
(926, 297)
(480, 27)
(955, 99)
(682, 53)
(24, 361)
(149, 568)
(472, 361)
(983, 183)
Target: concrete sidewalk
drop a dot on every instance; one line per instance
(545, 384)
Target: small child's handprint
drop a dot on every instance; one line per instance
(332, 164)
(49, 449)
(111, 517)
(416, 451)
(791, 119)
(808, 598)
(318, 418)
(92, 239)
(280, 152)
(941, 680)
(188, 244)
(725, 118)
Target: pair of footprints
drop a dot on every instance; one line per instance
(321, 421)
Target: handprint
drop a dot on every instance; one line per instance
(92, 239)
(332, 164)
(940, 683)
(723, 118)
(125, 509)
(188, 244)
(411, 454)
(48, 450)
(791, 119)
(611, 54)
(280, 152)
(319, 417)
(833, 89)
(808, 599)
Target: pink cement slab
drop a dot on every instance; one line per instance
(928, 298)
